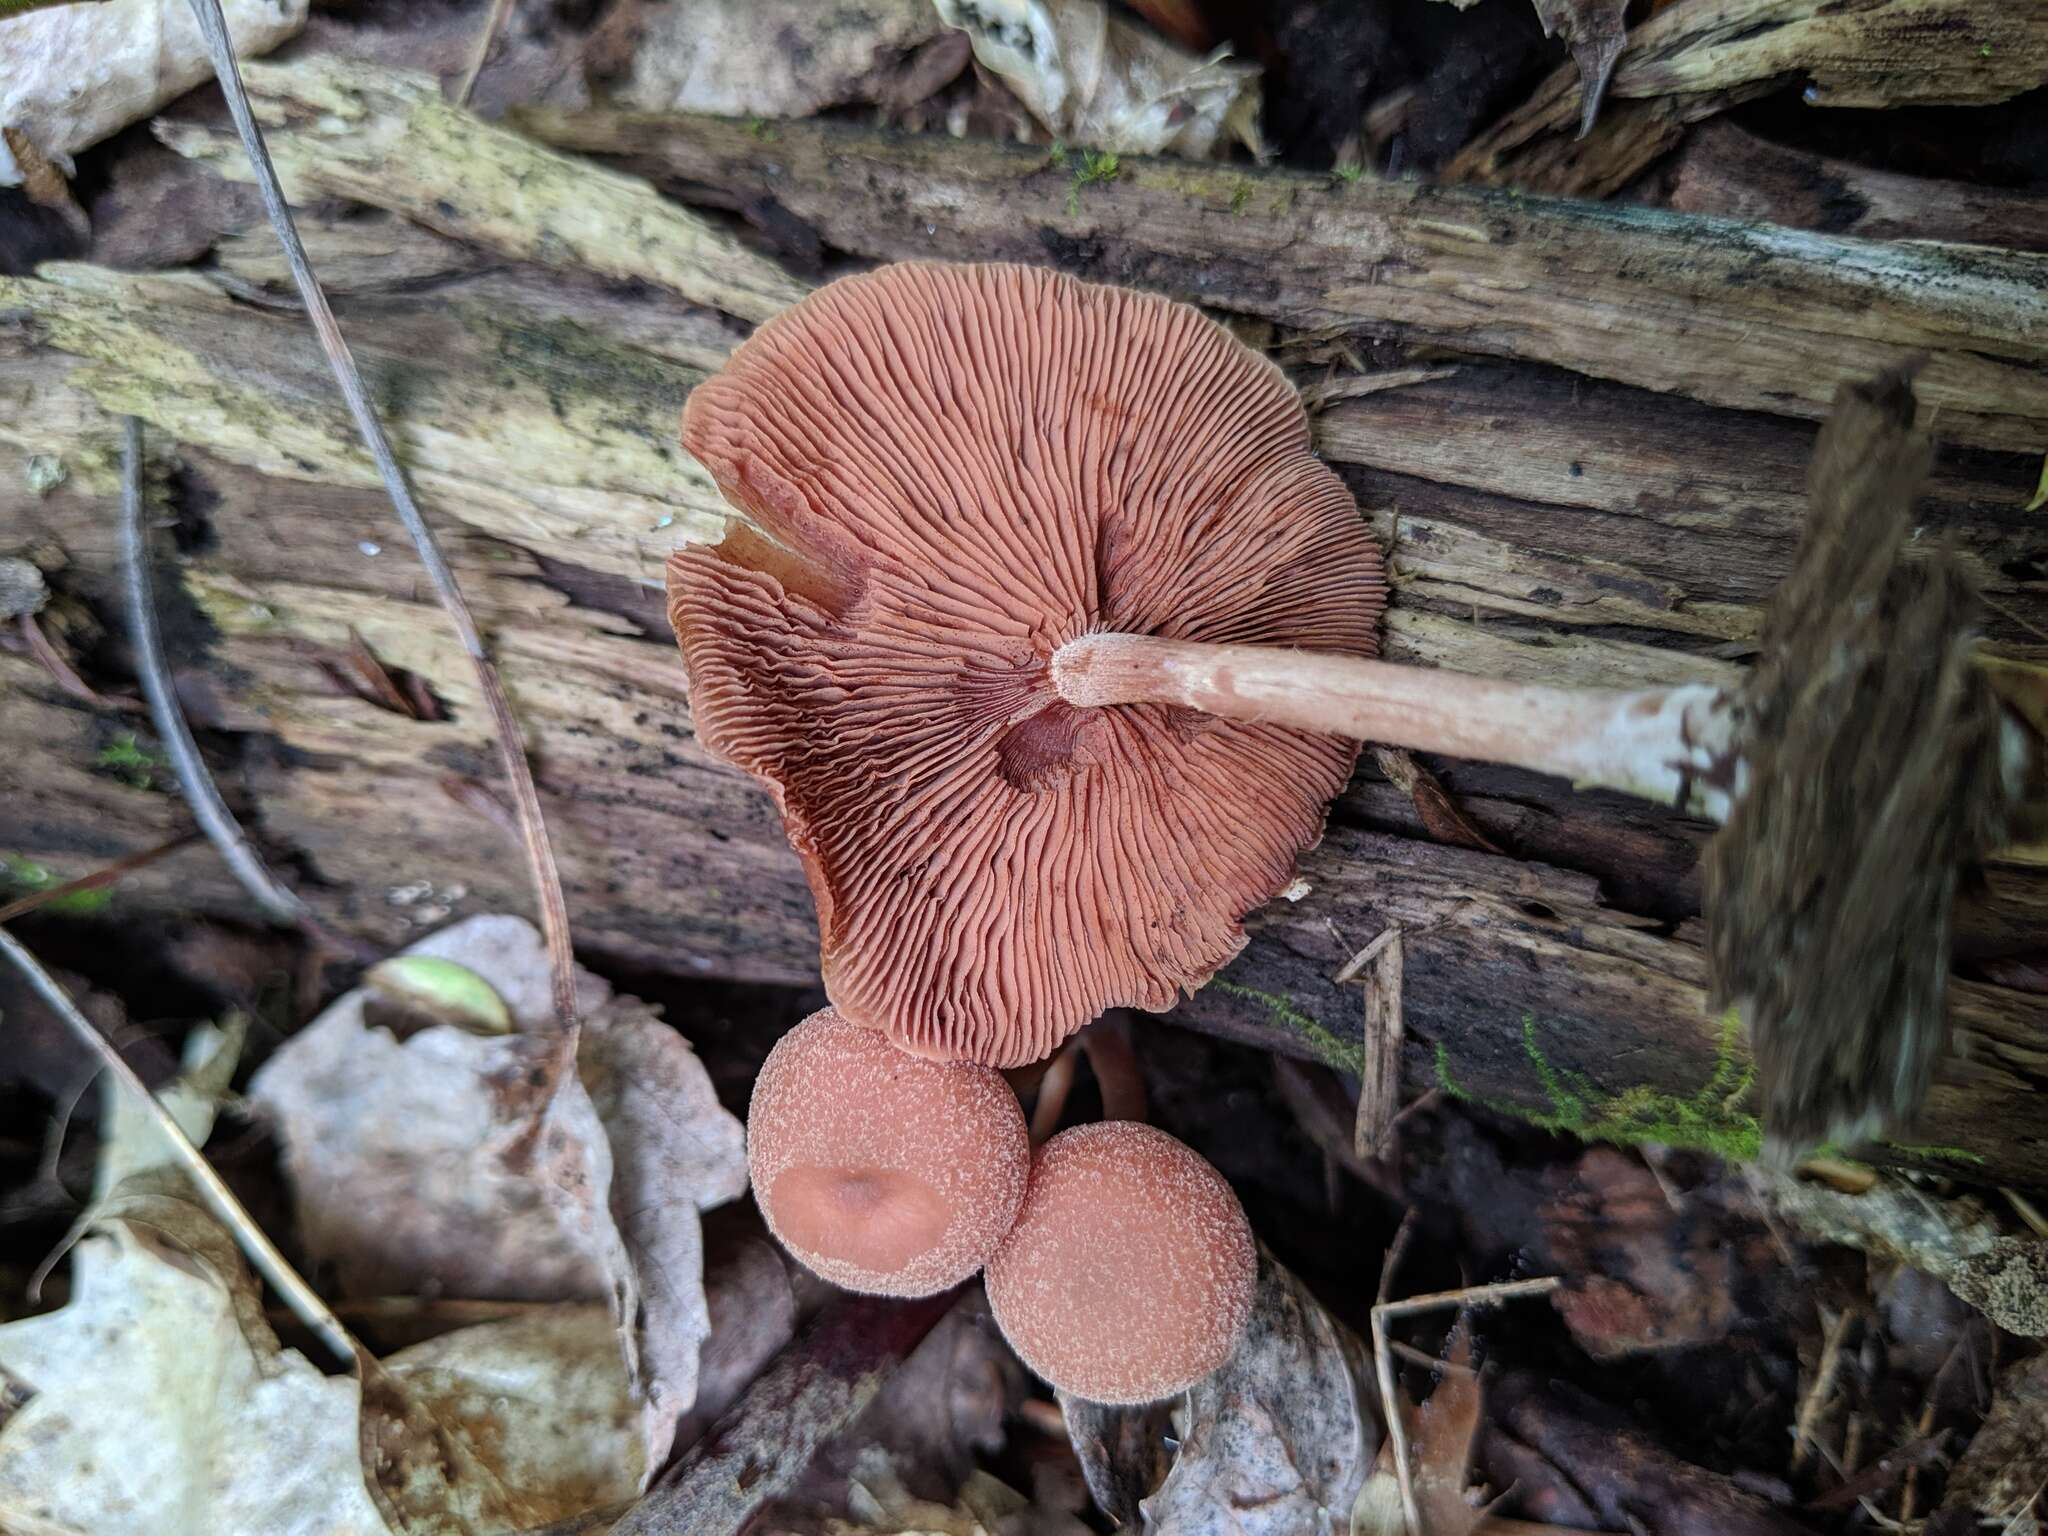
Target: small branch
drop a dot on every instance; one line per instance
(94, 881)
(1818, 1394)
(279, 903)
(1383, 1354)
(547, 879)
(262, 1253)
(815, 1388)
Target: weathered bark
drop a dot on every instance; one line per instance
(1541, 526)
(1700, 57)
(1729, 313)
(1728, 171)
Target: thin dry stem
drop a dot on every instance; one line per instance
(278, 901)
(1383, 1353)
(98, 878)
(1815, 1402)
(547, 880)
(305, 1303)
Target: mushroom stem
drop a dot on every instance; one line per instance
(1676, 745)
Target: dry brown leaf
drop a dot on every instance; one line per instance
(543, 1399)
(1441, 1434)
(414, 1166)
(1594, 31)
(1280, 1440)
(44, 182)
(1441, 818)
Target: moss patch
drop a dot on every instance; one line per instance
(124, 759)
(1282, 1012)
(1709, 1119)
(1714, 1119)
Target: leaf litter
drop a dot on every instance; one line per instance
(431, 1165)
(202, 1420)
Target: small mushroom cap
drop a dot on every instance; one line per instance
(949, 472)
(1129, 1275)
(882, 1171)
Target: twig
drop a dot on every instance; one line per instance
(95, 880)
(762, 1444)
(547, 879)
(1383, 1353)
(493, 24)
(1823, 1388)
(279, 903)
(54, 663)
(2027, 1211)
(262, 1253)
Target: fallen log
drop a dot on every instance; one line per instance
(1740, 315)
(1540, 525)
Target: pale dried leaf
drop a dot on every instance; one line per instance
(544, 1400)
(1093, 77)
(754, 58)
(1280, 1440)
(415, 1167)
(77, 73)
(195, 1419)
(190, 1424)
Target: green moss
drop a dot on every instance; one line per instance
(24, 877)
(1282, 1012)
(1092, 166)
(1351, 173)
(761, 129)
(1240, 199)
(126, 760)
(1709, 1119)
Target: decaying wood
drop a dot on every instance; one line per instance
(812, 1391)
(1700, 57)
(1728, 171)
(1541, 526)
(1729, 313)
(392, 140)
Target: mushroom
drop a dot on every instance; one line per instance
(1052, 639)
(881, 1171)
(950, 472)
(1129, 1275)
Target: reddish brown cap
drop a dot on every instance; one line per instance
(1130, 1273)
(882, 1171)
(957, 469)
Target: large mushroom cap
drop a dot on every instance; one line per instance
(882, 1171)
(1129, 1275)
(957, 469)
